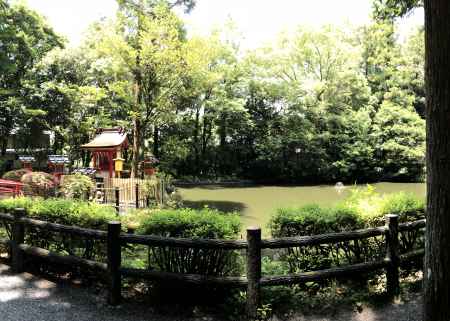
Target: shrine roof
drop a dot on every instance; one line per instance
(107, 138)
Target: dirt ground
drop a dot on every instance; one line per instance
(25, 297)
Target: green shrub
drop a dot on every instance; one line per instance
(67, 212)
(8, 205)
(38, 184)
(205, 223)
(363, 208)
(188, 223)
(15, 175)
(314, 219)
(77, 186)
(372, 207)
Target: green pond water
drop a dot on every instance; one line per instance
(257, 203)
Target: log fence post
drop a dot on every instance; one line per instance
(117, 199)
(253, 271)
(114, 257)
(136, 192)
(392, 255)
(18, 237)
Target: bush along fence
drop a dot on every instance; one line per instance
(115, 241)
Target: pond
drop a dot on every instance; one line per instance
(257, 203)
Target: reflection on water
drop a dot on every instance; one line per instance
(256, 204)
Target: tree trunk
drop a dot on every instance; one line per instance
(138, 96)
(437, 247)
(156, 142)
(136, 144)
(4, 145)
(196, 141)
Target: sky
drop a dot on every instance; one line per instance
(257, 21)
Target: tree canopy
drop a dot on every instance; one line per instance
(321, 104)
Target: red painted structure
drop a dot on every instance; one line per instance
(27, 162)
(56, 163)
(107, 145)
(10, 187)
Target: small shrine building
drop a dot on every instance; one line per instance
(107, 145)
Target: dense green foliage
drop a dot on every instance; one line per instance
(67, 212)
(77, 186)
(25, 38)
(187, 223)
(15, 175)
(205, 223)
(329, 104)
(364, 208)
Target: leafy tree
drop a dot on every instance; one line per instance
(137, 18)
(400, 137)
(391, 9)
(24, 39)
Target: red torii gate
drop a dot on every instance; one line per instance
(107, 145)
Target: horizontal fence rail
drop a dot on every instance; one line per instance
(336, 272)
(151, 240)
(113, 271)
(73, 230)
(61, 259)
(6, 217)
(409, 226)
(188, 278)
(322, 238)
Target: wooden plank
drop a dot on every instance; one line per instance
(412, 255)
(5, 241)
(409, 226)
(95, 234)
(188, 278)
(344, 271)
(152, 240)
(6, 217)
(62, 259)
(322, 238)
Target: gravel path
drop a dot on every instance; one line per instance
(27, 298)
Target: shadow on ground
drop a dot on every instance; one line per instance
(24, 297)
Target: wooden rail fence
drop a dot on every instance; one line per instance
(253, 245)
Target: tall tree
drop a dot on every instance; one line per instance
(437, 80)
(135, 14)
(24, 39)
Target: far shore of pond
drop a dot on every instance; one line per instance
(256, 202)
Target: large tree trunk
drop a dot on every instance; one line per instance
(136, 145)
(156, 141)
(437, 247)
(4, 145)
(196, 141)
(138, 96)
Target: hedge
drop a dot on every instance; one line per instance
(362, 209)
(206, 223)
(67, 212)
(188, 223)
